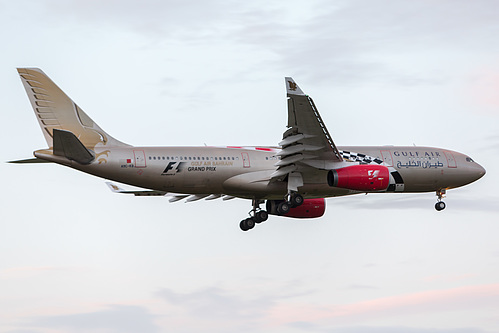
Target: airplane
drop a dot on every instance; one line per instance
(292, 179)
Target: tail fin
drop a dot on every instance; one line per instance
(55, 110)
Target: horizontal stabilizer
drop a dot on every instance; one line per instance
(67, 144)
(30, 161)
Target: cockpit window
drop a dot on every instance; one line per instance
(468, 159)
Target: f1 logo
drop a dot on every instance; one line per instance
(169, 167)
(373, 174)
(172, 168)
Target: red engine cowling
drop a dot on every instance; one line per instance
(363, 177)
(310, 208)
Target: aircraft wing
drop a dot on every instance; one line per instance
(307, 141)
(174, 197)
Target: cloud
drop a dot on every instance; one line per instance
(382, 329)
(191, 21)
(224, 310)
(356, 41)
(20, 272)
(349, 42)
(216, 303)
(360, 287)
(482, 89)
(456, 299)
(118, 318)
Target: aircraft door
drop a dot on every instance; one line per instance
(140, 158)
(246, 160)
(451, 161)
(387, 157)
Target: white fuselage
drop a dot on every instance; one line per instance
(245, 172)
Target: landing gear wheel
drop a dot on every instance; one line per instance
(296, 200)
(283, 208)
(243, 226)
(247, 224)
(261, 216)
(440, 205)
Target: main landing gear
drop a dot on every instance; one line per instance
(440, 205)
(258, 215)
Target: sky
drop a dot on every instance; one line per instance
(75, 257)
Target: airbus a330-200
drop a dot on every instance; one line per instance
(291, 179)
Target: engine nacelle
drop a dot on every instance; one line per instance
(363, 177)
(310, 208)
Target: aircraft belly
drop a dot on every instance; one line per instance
(420, 180)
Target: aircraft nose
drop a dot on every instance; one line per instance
(475, 172)
(479, 171)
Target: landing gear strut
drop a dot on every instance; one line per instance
(440, 205)
(257, 215)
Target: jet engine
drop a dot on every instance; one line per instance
(363, 177)
(310, 208)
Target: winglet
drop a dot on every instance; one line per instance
(292, 88)
(147, 193)
(115, 188)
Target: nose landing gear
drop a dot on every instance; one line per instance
(440, 205)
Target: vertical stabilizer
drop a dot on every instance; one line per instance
(55, 110)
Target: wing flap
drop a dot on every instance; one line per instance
(173, 196)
